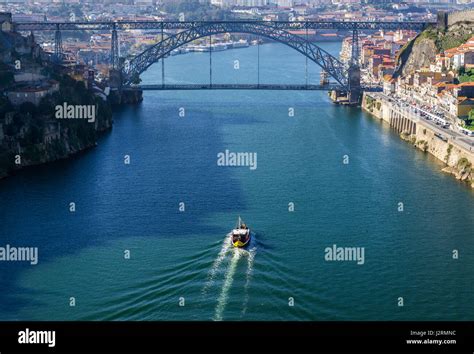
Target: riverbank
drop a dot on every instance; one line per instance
(60, 144)
(453, 151)
(32, 135)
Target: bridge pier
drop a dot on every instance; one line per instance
(355, 47)
(354, 94)
(58, 46)
(351, 96)
(120, 94)
(355, 90)
(115, 79)
(114, 52)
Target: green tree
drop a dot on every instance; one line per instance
(466, 76)
(471, 116)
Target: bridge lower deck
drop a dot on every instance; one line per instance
(294, 87)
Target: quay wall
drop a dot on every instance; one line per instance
(457, 156)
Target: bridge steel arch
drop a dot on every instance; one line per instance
(326, 61)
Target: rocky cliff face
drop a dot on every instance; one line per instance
(459, 161)
(462, 171)
(421, 51)
(33, 139)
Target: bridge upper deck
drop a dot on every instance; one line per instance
(180, 25)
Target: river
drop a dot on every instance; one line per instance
(344, 173)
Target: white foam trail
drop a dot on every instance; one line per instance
(229, 278)
(251, 256)
(217, 262)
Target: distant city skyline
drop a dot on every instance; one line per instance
(247, 3)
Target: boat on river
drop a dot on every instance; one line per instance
(241, 234)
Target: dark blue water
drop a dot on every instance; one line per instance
(185, 256)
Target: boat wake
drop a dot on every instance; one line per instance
(226, 246)
(229, 279)
(228, 265)
(248, 276)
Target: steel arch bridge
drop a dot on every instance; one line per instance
(326, 61)
(120, 76)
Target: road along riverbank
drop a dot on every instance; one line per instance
(451, 147)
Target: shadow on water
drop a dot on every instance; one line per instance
(172, 161)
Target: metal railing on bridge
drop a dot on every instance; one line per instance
(180, 25)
